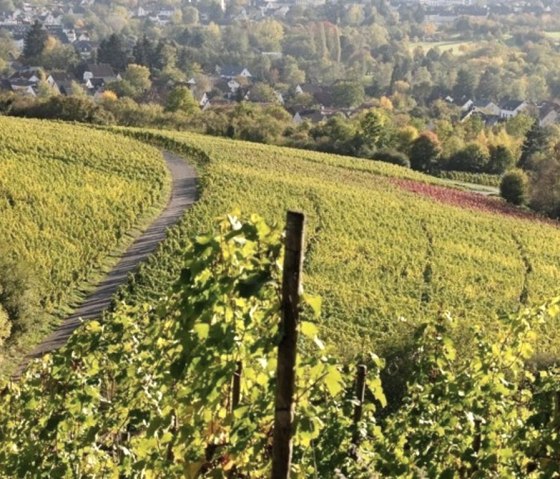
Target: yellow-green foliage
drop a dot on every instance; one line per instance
(375, 253)
(5, 325)
(68, 197)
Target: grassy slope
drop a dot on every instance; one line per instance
(70, 199)
(376, 253)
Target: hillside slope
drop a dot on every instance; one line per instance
(383, 245)
(69, 197)
(151, 389)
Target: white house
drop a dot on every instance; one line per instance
(204, 101)
(487, 107)
(23, 87)
(70, 34)
(233, 86)
(465, 106)
(512, 108)
(101, 71)
(230, 71)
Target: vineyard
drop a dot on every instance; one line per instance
(70, 198)
(474, 178)
(388, 247)
(185, 388)
(408, 278)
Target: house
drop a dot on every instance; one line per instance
(231, 88)
(30, 74)
(467, 114)
(317, 115)
(231, 72)
(5, 86)
(549, 113)
(101, 72)
(24, 87)
(512, 108)
(19, 41)
(62, 81)
(321, 94)
(492, 120)
(84, 48)
(204, 101)
(70, 34)
(95, 85)
(82, 36)
(142, 12)
(486, 107)
(50, 19)
(464, 104)
(233, 85)
(217, 103)
(58, 33)
(313, 116)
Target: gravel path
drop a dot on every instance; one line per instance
(183, 195)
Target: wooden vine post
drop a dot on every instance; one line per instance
(286, 367)
(236, 388)
(358, 408)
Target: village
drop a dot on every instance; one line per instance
(256, 76)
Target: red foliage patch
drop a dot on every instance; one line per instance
(469, 200)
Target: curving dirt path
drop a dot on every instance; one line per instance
(183, 195)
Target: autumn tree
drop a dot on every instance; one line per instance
(181, 99)
(263, 93)
(373, 130)
(425, 152)
(135, 81)
(348, 93)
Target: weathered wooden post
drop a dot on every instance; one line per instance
(358, 408)
(236, 388)
(556, 413)
(285, 370)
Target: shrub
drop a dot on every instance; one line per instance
(5, 325)
(425, 152)
(19, 303)
(472, 158)
(514, 187)
(501, 159)
(392, 156)
(64, 108)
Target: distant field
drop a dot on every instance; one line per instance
(69, 197)
(553, 35)
(455, 47)
(383, 244)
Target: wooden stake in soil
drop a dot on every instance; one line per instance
(285, 370)
(236, 389)
(360, 395)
